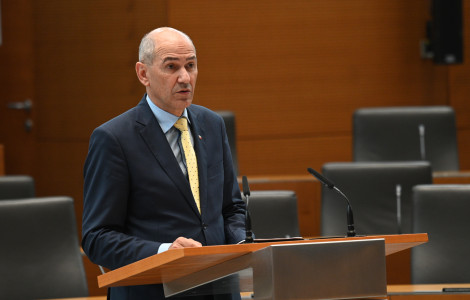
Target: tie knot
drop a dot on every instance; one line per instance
(182, 124)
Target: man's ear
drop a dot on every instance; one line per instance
(141, 70)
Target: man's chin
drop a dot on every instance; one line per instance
(185, 102)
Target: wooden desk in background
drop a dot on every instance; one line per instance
(427, 292)
(451, 177)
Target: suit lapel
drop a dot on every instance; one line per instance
(154, 137)
(197, 124)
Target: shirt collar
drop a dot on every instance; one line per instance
(165, 119)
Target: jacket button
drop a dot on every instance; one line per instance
(204, 226)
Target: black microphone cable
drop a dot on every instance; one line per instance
(330, 185)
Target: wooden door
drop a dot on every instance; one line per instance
(75, 61)
(17, 130)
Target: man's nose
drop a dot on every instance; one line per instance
(183, 76)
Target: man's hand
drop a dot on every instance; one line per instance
(183, 242)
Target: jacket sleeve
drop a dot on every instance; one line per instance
(233, 207)
(106, 189)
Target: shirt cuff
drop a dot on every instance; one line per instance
(163, 247)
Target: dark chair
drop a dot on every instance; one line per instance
(442, 211)
(274, 214)
(379, 193)
(40, 253)
(16, 187)
(406, 133)
(229, 120)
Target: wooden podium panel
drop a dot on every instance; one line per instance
(176, 263)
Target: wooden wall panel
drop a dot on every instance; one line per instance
(459, 93)
(463, 138)
(85, 55)
(61, 172)
(2, 160)
(291, 155)
(16, 85)
(295, 71)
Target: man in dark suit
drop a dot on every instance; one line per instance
(138, 197)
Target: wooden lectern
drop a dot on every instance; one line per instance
(320, 268)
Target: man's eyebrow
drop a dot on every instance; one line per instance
(170, 58)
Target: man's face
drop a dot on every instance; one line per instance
(171, 78)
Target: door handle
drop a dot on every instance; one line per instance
(26, 105)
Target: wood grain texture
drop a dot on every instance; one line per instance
(17, 85)
(85, 55)
(2, 160)
(295, 71)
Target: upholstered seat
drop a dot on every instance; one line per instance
(379, 193)
(274, 214)
(230, 127)
(406, 134)
(40, 253)
(16, 186)
(442, 212)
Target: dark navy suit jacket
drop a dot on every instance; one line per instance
(136, 196)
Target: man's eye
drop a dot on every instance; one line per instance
(191, 65)
(170, 66)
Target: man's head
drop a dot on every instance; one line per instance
(167, 68)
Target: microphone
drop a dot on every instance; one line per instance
(398, 197)
(331, 186)
(422, 147)
(246, 193)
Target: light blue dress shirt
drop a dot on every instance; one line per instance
(166, 122)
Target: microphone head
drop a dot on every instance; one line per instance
(322, 179)
(246, 188)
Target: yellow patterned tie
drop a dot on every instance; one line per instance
(190, 156)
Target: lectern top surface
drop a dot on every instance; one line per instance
(176, 263)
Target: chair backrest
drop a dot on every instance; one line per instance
(16, 187)
(274, 214)
(230, 127)
(407, 133)
(378, 206)
(441, 211)
(40, 253)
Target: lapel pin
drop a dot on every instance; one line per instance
(200, 137)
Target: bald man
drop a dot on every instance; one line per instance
(142, 194)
